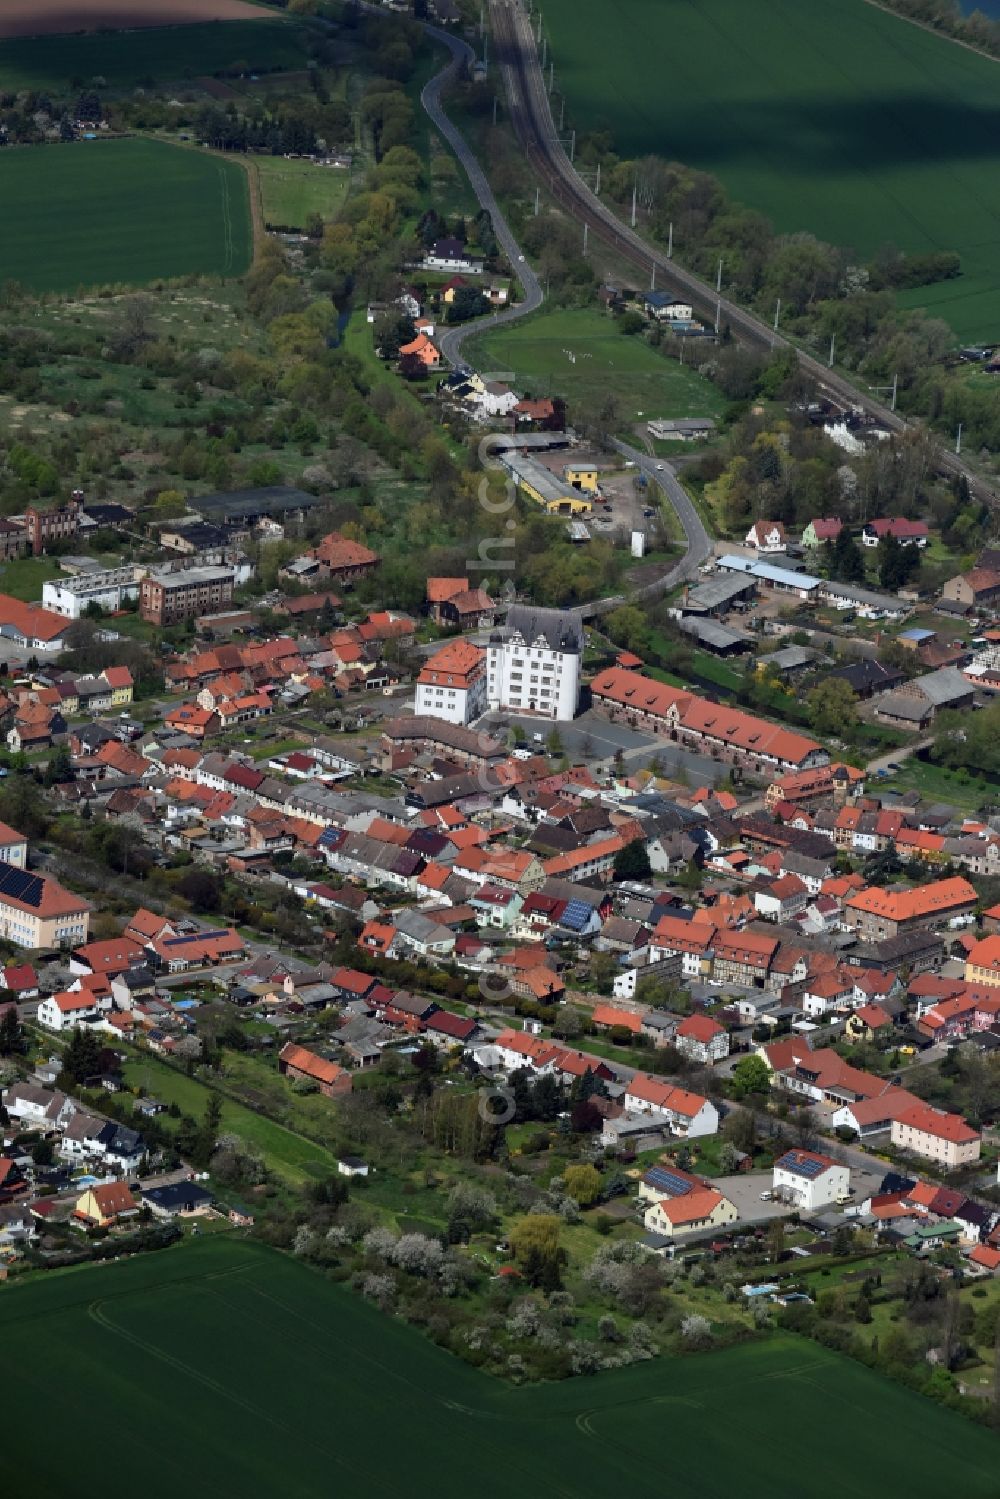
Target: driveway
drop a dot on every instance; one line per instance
(743, 1191)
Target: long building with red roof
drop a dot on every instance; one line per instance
(627, 696)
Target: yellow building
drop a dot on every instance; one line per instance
(544, 488)
(692, 1212)
(100, 1207)
(41, 913)
(581, 476)
(983, 963)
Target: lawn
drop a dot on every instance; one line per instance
(127, 59)
(839, 119)
(288, 1154)
(282, 1382)
(937, 783)
(23, 577)
(132, 211)
(579, 354)
(292, 190)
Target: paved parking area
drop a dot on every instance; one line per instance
(589, 737)
(744, 1192)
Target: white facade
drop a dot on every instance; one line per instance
(809, 1180)
(461, 705)
(533, 664)
(109, 588)
(56, 1016)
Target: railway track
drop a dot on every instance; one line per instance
(531, 117)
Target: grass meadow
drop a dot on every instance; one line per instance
(168, 54)
(836, 118)
(580, 354)
(289, 1155)
(292, 190)
(232, 1369)
(129, 211)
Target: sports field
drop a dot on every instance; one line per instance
(131, 211)
(579, 354)
(223, 1368)
(832, 117)
(292, 190)
(128, 59)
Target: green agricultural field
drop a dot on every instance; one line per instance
(837, 118)
(234, 1370)
(132, 211)
(580, 354)
(292, 190)
(129, 59)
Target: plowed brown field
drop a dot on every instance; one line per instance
(52, 17)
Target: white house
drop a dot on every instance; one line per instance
(809, 1180)
(427, 938)
(782, 899)
(497, 399)
(767, 536)
(30, 1104)
(452, 685)
(687, 1114)
(533, 662)
(702, 1039)
(64, 1012)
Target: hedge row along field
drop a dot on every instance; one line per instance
(234, 1370)
(837, 118)
(132, 211)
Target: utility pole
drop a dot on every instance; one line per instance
(597, 184)
(670, 241)
(958, 440)
(777, 314)
(652, 278)
(562, 113)
(895, 387)
(634, 189)
(585, 231)
(545, 52)
(718, 276)
(572, 145)
(538, 192)
(833, 345)
(718, 316)
(552, 75)
(538, 38)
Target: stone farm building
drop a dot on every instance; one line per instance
(710, 728)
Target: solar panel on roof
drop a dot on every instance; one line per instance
(20, 885)
(806, 1166)
(667, 1181)
(576, 914)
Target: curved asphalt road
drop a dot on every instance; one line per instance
(451, 339)
(699, 545)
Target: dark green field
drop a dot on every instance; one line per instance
(169, 54)
(828, 115)
(223, 1368)
(132, 211)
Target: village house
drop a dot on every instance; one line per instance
(940, 1137)
(767, 537)
(809, 1180)
(702, 1039)
(877, 913)
(302, 1065)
